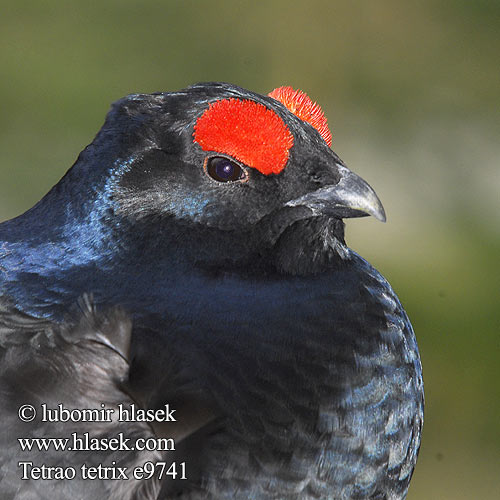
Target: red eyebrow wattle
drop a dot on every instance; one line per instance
(247, 131)
(300, 104)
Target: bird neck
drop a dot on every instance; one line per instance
(73, 242)
(67, 230)
(311, 246)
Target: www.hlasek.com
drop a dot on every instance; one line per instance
(85, 442)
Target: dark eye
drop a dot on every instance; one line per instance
(224, 170)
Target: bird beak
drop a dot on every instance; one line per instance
(350, 197)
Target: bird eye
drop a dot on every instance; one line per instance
(223, 170)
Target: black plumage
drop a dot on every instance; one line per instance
(297, 372)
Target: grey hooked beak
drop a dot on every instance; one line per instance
(350, 197)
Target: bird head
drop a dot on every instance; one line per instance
(222, 160)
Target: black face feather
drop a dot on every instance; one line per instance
(169, 178)
(296, 350)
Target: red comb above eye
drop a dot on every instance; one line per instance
(300, 104)
(247, 131)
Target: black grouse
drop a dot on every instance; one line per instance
(214, 216)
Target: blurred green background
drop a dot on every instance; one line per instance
(412, 93)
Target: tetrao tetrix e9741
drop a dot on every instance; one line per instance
(214, 216)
